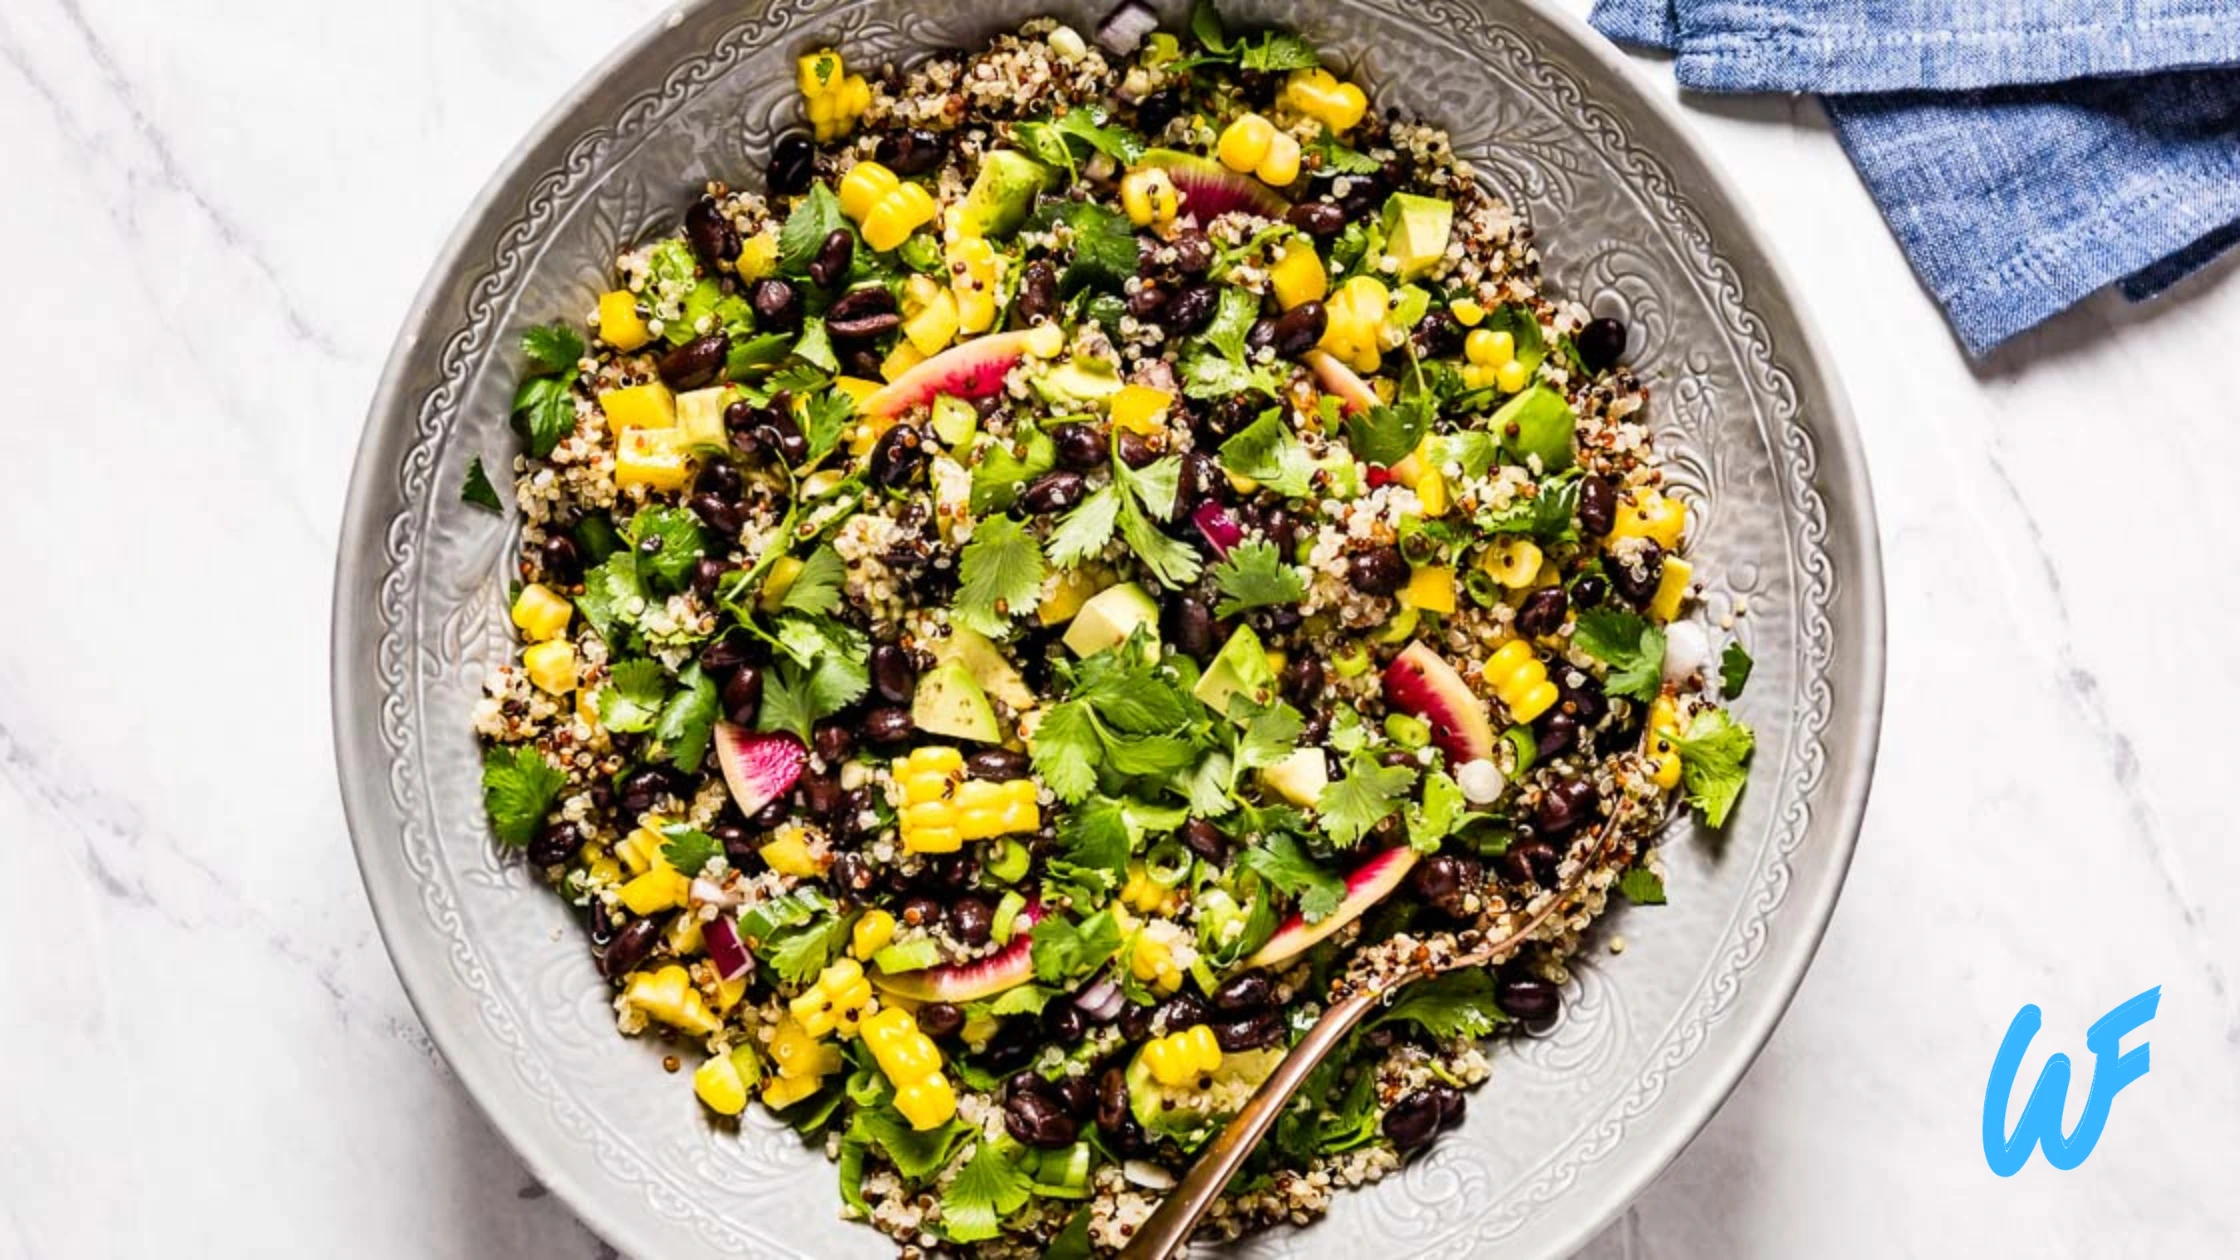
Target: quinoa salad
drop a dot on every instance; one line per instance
(1103, 543)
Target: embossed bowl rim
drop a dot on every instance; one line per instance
(1701, 182)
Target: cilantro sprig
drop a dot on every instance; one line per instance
(518, 789)
(1629, 645)
(1254, 575)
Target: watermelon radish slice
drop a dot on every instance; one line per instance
(1370, 883)
(1210, 189)
(1420, 682)
(1353, 393)
(974, 369)
(758, 766)
(971, 981)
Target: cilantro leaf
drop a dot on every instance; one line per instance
(1206, 376)
(1094, 840)
(987, 1189)
(1629, 645)
(1436, 818)
(632, 698)
(1268, 452)
(1387, 435)
(786, 705)
(1714, 759)
(1003, 470)
(552, 348)
(1270, 735)
(1154, 485)
(765, 920)
(824, 419)
(687, 721)
(546, 409)
(680, 548)
(478, 490)
(1337, 159)
(518, 791)
(816, 588)
(1734, 670)
(751, 354)
(1287, 868)
(1048, 140)
(1205, 27)
(1368, 795)
(1083, 532)
(917, 1156)
(1000, 577)
(1066, 748)
(613, 597)
(1063, 949)
(1174, 562)
(1280, 50)
(1232, 322)
(815, 344)
(1253, 576)
(798, 954)
(1072, 1242)
(1458, 1004)
(815, 217)
(689, 849)
(1642, 886)
(1546, 516)
(1105, 252)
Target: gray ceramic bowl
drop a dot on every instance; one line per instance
(1632, 220)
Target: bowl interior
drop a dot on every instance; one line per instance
(1630, 221)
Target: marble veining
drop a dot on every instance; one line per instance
(220, 213)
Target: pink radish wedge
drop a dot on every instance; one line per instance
(973, 370)
(968, 982)
(1353, 393)
(1219, 526)
(758, 766)
(1209, 189)
(1421, 682)
(1370, 883)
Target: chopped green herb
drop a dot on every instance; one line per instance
(1278, 859)
(1255, 575)
(689, 849)
(478, 490)
(1369, 794)
(1714, 762)
(815, 217)
(987, 1189)
(1268, 452)
(1458, 1004)
(518, 791)
(1629, 645)
(1642, 886)
(1000, 577)
(552, 348)
(1734, 670)
(632, 696)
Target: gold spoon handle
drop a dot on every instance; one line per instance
(1164, 1233)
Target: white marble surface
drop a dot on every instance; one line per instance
(220, 210)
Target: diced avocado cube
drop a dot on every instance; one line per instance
(948, 702)
(700, 415)
(1110, 616)
(954, 421)
(986, 663)
(1002, 194)
(1416, 229)
(1299, 778)
(1543, 423)
(1241, 668)
(1079, 383)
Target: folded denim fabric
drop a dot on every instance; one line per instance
(2038, 152)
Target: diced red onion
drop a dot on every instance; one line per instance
(1123, 29)
(1101, 1001)
(1219, 527)
(725, 949)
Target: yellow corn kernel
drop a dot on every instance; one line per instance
(1467, 312)
(1431, 491)
(1244, 143)
(541, 612)
(1672, 589)
(552, 666)
(1534, 701)
(657, 459)
(1520, 681)
(1664, 715)
(912, 1064)
(928, 1104)
(1140, 407)
(1281, 165)
(836, 1001)
(1180, 1058)
(1489, 346)
(1319, 95)
(1298, 276)
(788, 854)
(871, 933)
(864, 186)
(798, 1054)
(1649, 514)
(895, 216)
(1514, 562)
(619, 323)
(648, 406)
(1477, 376)
(1430, 588)
(1513, 376)
(820, 73)
(1141, 892)
(1149, 197)
(663, 888)
(1664, 763)
(719, 1085)
(667, 995)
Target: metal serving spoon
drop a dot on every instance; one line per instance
(1164, 1233)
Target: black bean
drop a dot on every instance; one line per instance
(1146, 300)
(972, 920)
(1261, 336)
(1079, 1093)
(1542, 611)
(1283, 528)
(1112, 1098)
(1245, 993)
(834, 257)
(821, 793)
(1584, 701)
(773, 815)
(1000, 765)
(1204, 839)
(1532, 862)
(1412, 1122)
(1598, 506)
(1191, 627)
(1080, 447)
(1563, 806)
(1201, 479)
(1438, 335)
(1378, 571)
(865, 312)
(1445, 882)
(859, 359)
(888, 724)
(1192, 309)
(1013, 1046)
(642, 789)
(1155, 111)
(737, 841)
(773, 431)
(1251, 1032)
(1636, 580)
(714, 241)
(723, 655)
(1303, 680)
(1065, 1022)
(629, 948)
(1038, 293)
(899, 456)
(921, 911)
(1135, 450)
(1452, 1104)
(1316, 218)
(601, 921)
(555, 843)
(793, 165)
(1589, 591)
(742, 695)
(1528, 998)
(777, 305)
(953, 873)
(833, 741)
(1558, 732)
(940, 1019)
(696, 362)
(1601, 344)
(1053, 492)
(707, 571)
(1181, 1011)
(716, 515)
(559, 559)
(1299, 329)
(913, 152)
(851, 873)
(1135, 1021)
(1039, 1121)
(893, 674)
(1193, 252)
(720, 477)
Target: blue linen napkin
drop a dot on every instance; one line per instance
(2026, 153)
